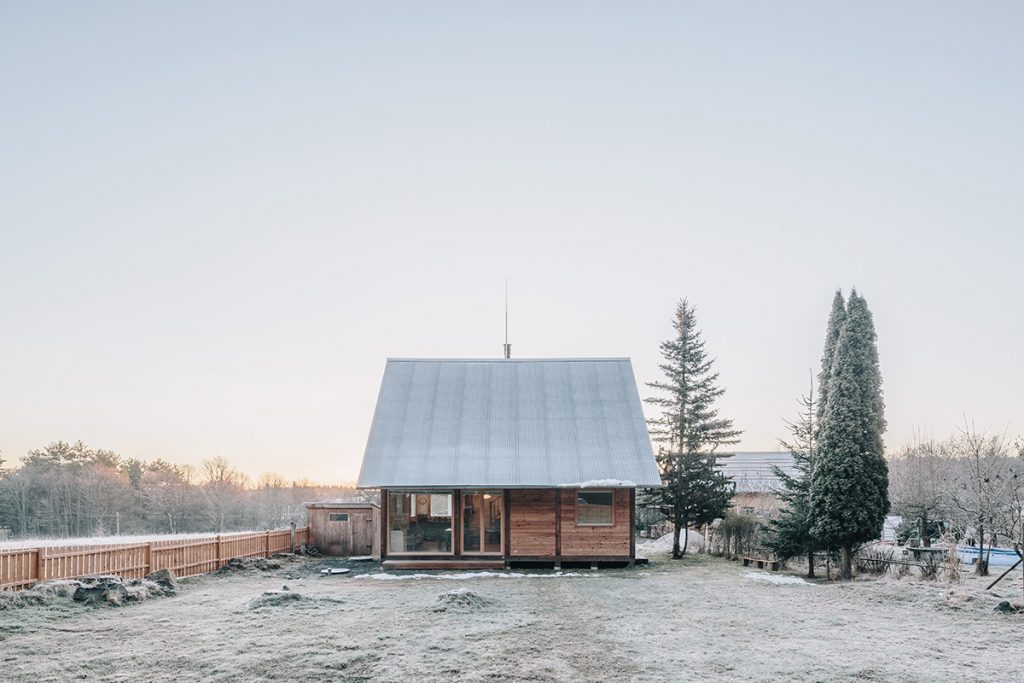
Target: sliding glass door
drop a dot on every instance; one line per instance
(482, 532)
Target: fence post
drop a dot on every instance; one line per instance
(149, 558)
(220, 552)
(267, 541)
(291, 539)
(40, 565)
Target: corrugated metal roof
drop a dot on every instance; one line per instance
(754, 472)
(507, 423)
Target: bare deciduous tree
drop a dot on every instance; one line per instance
(920, 476)
(980, 491)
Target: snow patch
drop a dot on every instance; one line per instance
(663, 544)
(778, 579)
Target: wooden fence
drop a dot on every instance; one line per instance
(23, 567)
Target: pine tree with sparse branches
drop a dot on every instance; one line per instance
(791, 530)
(694, 491)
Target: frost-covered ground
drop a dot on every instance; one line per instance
(696, 619)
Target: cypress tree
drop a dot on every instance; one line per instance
(836, 318)
(690, 430)
(849, 482)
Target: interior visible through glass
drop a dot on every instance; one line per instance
(419, 522)
(481, 521)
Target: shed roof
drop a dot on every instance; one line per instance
(515, 423)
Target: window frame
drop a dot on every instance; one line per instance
(414, 493)
(499, 495)
(611, 508)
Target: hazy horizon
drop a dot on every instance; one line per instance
(218, 221)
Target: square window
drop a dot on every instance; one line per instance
(594, 508)
(419, 522)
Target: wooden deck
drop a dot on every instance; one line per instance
(455, 563)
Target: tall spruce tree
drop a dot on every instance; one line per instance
(849, 491)
(690, 430)
(791, 530)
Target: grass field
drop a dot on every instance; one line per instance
(699, 619)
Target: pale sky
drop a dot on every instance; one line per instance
(217, 220)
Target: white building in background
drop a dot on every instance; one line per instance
(755, 478)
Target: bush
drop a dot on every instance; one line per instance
(874, 561)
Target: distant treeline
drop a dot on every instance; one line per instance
(69, 489)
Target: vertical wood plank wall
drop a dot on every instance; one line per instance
(359, 535)
(532, 522)
(541, 523)
(596, 541)
(22, 567)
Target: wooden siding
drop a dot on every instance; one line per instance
(531, 516)
(359, 535)
(596, 541)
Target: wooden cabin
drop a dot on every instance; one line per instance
(489, 463)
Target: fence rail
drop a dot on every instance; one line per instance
(23, 567)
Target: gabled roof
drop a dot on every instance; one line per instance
(754, 472)
(508, 424)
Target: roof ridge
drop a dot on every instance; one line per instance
(609, 359)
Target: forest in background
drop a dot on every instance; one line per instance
(69, 489)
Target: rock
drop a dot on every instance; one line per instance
(1006, 607)
(165, 579)
(101, 590)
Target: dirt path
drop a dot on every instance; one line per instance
(703, 619)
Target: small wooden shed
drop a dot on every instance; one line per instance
(344, 529)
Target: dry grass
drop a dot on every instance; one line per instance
(695, 619)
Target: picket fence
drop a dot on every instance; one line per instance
(24, 567)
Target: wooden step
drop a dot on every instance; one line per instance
(444, 564)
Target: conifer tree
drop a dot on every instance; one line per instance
(849, 482)
(836, 318)
(690, 430)
(791, 530)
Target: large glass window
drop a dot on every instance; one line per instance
(481, 522)
(419, 522)
(594, 508)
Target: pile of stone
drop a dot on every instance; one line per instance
(108, 590)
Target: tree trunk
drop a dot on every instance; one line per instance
(845, 563)
(810, 564)
(686, 537)
(926, 538)
(981, 567)
(675, 542)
